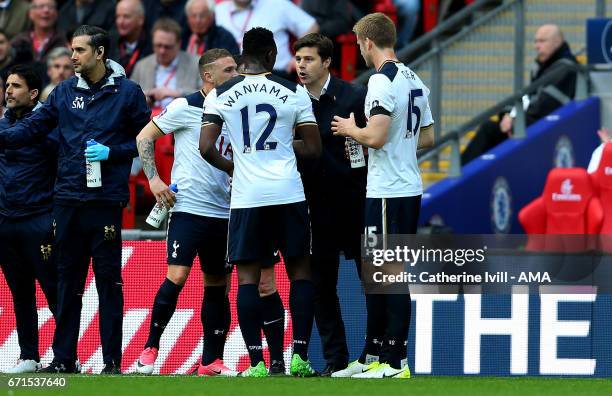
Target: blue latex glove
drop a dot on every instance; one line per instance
(97, 152)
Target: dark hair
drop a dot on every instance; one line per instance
(323, 44)
(238, 59)
(31, 78)
(3, 33)
(98, 37)
(212, 56)
(257, 42)
(167, 25)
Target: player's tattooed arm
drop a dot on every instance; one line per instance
(145, 142)
(146, 149)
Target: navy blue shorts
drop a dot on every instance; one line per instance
(259, 233)
(386, 216)
(190, 234)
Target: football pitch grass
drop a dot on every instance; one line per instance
(93, 385)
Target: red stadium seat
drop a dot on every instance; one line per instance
(430, 14)
(348, 55)
(387, 8)
(568, 206)
(602, 180)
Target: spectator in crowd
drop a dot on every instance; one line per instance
(27, 177)
(408, 13)
(203, 33)
(333, 17)
(44, 35)
(282, 17)
(129, 41)
(75, 13)
(59, 68)
(14, 17)
(551, 49)
(6, 54)
(155, 9)
(169, 72)
(99, 103)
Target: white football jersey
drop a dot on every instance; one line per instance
(203, 190)
(397, 91)
(261, 112)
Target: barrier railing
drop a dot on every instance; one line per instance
(453, 137)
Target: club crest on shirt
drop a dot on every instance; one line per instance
(45, 251)
(110, 233)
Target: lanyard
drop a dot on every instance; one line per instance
(246, 23)
(38, 45)
(166, 82)
(170, 76)
(133, 58)
(192, 45)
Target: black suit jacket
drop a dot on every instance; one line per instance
(335, 192)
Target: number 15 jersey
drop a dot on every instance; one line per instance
(398, 92)
(261, 112)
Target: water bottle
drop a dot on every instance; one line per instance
(159, 212)
(93, 169)
(355, 153)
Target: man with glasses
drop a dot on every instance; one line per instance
(168, 73)
(43, 36)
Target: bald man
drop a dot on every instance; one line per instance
(550, 48)
(204, 33)
(129, 41)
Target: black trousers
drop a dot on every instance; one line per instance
(83, 233)
(26, 256)
(337, 225)
(328, 315)
(488, 136)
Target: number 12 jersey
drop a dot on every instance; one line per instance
(261, 112)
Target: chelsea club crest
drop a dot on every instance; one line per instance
(501, 206)
(564, 153)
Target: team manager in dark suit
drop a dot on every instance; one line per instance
(335, 192)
